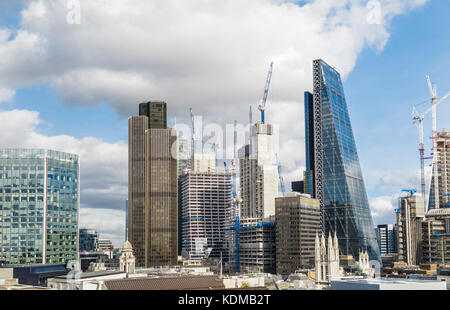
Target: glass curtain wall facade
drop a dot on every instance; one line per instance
(338, 181)
(39, 203)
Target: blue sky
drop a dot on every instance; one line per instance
(384, 86)
(91, 77)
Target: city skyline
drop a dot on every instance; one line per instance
(58, 109)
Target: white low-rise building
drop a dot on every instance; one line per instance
(359, 283)
(244, 282)
(85, 281)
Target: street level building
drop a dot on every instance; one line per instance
(105, 246)
(364, 284)
(88, 240)
(152, 187)
(36, 275)
(39, 205)
(298, 222)
(387, 239)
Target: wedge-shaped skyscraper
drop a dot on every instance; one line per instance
(333, 170)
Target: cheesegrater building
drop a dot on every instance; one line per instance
(333, 173)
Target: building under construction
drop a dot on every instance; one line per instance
(258, 174)
(206, 200)
(410, 215)
(436, 237)
(443, 162)
(257, 246)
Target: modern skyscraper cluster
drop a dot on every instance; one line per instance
(188, 206)
(337, 202)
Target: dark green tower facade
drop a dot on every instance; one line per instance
(156, 111)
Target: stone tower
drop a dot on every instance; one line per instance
(127, 259)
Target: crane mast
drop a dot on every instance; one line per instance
(283, 188)
(434, 104)
(262, 106)
(419, 118)
(433, 93)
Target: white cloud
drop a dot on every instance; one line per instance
(383, 208)
(103, 165)
(7, 95)
(211, 55)
(113, 228)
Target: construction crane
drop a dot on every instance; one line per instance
(418, 119)
(410, 191)
(214, 147)
(193, 135)
(283, 189)
(233, 161)
(262, 106)
(434, 103)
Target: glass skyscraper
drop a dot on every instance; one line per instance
(39, 204)
(333, 170)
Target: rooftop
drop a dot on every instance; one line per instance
(167, 283)
(95, 274)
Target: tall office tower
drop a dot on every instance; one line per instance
(258, 174)
(152, 187)
(298, 187)
(387, 239)
(206, 199)
(298, 222)
(39, 206)
(156, 112)
(257, 245)
(436, 237)
(443, 158)
(308, 176)
(88, 240)
(337, 178)
(410, 215)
